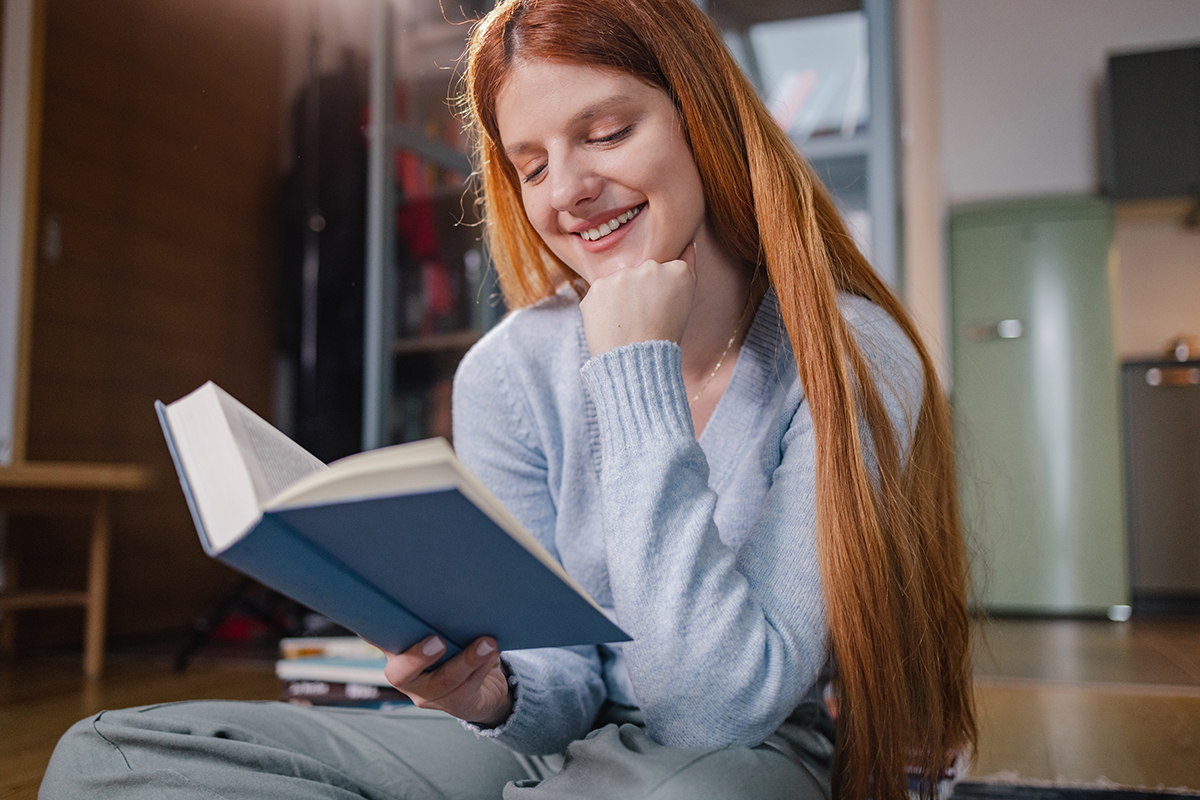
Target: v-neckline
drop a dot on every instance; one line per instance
(758, 360)
(749, 356)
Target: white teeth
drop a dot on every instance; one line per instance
(608, 227)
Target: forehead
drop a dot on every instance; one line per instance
(540, 95)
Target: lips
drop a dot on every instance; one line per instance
(605, 228)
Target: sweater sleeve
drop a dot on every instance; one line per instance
(558, 691)
(725, 644)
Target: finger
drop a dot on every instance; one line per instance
(463, 673)
(404, 668)
(432, 686)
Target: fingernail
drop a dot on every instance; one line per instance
(484, 647)
(433, 646)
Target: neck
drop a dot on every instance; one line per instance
(723, 308)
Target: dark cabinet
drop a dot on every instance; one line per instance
(1162, 452)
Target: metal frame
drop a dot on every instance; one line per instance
(379, 285)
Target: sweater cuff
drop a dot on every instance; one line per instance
(638, 394)
(523, 731)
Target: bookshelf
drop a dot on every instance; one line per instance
(826, 71)
(430, 292)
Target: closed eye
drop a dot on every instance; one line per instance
(532, 176)
(612, 137)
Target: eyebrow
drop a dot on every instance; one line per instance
(585, 114)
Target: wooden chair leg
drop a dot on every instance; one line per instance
(97, 589)
(8, 619)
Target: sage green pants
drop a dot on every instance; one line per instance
(275, 751)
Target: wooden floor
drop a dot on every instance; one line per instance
(41, 698)
(1072, 701)
(1090, 702)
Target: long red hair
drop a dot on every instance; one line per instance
(892, 557)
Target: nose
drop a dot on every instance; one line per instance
(572, 182)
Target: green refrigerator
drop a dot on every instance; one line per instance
(1035, 390)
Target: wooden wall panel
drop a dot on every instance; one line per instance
(161, 130)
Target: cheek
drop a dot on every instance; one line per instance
(540, 215)
(674, 170)
(544, 219)
(684, 193)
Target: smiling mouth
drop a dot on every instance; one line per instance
(608, 227)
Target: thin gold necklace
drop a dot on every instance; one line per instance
(728, 347)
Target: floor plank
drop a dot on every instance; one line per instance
(1086, 734)
(1142, 651)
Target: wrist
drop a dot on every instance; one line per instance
(501, 716)
(507, 703)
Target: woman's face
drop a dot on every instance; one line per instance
(607, 177)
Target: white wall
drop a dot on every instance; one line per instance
(1016, 90)
(1019, 84)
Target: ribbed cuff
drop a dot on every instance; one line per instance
(526, 729)
(639, 396)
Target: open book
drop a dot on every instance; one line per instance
(395, 544)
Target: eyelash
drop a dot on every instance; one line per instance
(609, 139)
(612, 137)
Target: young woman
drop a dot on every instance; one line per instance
(711, 410)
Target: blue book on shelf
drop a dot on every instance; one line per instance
(394, 544)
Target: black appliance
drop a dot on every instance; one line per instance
(1162, 452)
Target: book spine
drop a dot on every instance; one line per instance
(327, 647)
(347, 695)
(289, 563)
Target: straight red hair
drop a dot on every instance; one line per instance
(892, 557)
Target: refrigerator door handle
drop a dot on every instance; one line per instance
(1004, 329)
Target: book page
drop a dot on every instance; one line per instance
(273, 460)
(397, 469)
(216, 474)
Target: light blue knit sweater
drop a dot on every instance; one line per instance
(704, 551)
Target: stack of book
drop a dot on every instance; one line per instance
(334, 671)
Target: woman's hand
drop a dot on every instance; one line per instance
(471, 686)
(640, 304)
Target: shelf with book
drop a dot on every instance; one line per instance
(445, 295)
(445, 301)
(826, 72)
(457, 342)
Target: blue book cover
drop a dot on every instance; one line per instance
(393, 567)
